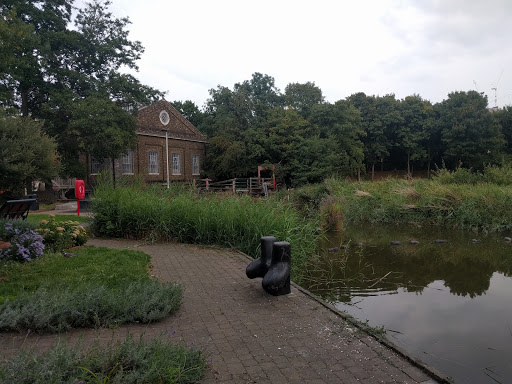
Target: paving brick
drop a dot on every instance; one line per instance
(248, 335)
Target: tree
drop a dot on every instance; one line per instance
(26, 153)
(190, 111)
(380, 118)
(413, 133)
(30, 32)
(340, 123)
(302, 97)
(52, 67)
(504, 117)
(470, 134)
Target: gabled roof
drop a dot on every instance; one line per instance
(148, 121)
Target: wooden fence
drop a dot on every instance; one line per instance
(252, 185)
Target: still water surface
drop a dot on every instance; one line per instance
(449, 304)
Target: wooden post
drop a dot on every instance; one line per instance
(234, 186)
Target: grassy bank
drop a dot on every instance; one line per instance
(478, 206)
(178, 215)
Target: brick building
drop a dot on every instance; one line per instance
(186, 148)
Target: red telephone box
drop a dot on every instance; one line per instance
(79, 194)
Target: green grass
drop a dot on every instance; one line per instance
(126, 361)
(96, 265)
(231, 221)
(35, 218)
(482, 206)
(99, 287)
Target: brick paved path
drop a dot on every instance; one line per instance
(248, 335)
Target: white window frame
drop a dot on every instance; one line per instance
(195, 165)
(153, 168)
(127, 163)
(176, 163)
(98, 167)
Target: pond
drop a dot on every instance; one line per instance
(448, 303)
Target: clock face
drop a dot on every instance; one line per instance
(164, 117)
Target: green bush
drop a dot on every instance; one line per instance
(126, 361)
(58, 309)
(61, 235)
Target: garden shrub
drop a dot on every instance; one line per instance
(61, 235)
(57, 309)
(26, 244)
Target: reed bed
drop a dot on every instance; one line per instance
(178, 215)
(482, 206)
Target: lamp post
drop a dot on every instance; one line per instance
(167, 154)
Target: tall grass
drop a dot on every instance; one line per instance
(126, 361)
(481, 206)
(232, 221)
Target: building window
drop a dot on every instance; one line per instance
(127, 162)
(164, 118)
(153, 163)
(176, 164)
(195, 164)
(98, 166)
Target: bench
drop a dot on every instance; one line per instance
(16, 209)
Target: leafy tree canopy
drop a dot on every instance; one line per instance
(48, 69)
(26, 153)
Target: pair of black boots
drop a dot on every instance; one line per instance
(273, 266)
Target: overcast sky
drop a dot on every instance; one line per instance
(427, 47)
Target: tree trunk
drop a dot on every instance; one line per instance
(373, 171)
(428, 163)
(24, 103)
(113, 173)
(409, 165)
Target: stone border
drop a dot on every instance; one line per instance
(430, 371)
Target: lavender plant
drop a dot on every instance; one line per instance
(26, 244)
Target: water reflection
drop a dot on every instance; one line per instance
(373, 266)
(448, 304)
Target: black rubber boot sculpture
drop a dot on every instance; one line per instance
(277, 280)
(259, 267)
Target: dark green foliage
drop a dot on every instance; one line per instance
(470, 133)
(58, 309)
(51, 70)
(126, 361)
(26, 153)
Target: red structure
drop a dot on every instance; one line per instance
(79, 194)
(262, 168)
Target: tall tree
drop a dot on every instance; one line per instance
(340, 123)
(412, 134)
(302, 97)
(470, 133)
(30, 35)
(380, 118)
(26, 153)
(504, 117)
(190, 111)
(52, 66)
